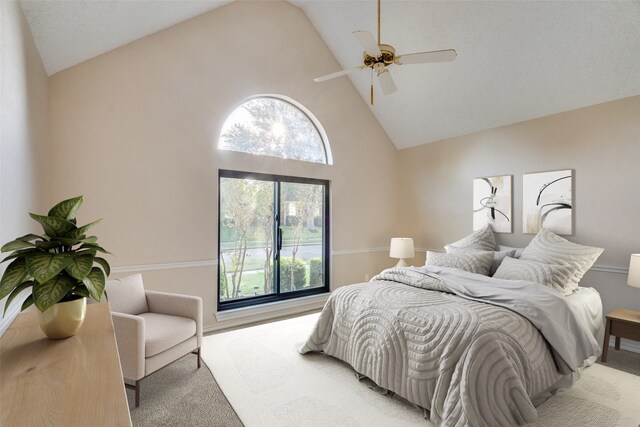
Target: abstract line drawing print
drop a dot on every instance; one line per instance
(492, 203)
(547, 202)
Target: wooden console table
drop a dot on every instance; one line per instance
(70, 382)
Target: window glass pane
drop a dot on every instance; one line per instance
(272, 127)
(259, 214)
(301, 220)
(246, 238)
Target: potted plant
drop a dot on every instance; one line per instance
(59, 267)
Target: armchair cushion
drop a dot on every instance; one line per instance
(177, 305)
(163, 331)
(126, 295)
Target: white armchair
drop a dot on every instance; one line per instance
(153, 329)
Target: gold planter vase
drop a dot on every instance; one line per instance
(63, 319)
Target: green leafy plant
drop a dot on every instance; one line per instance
(315, 271)
(298, 274)
(58, 266)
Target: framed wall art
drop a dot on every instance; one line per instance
(492, 203)
(547, 201)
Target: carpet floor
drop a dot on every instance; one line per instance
(181, 395)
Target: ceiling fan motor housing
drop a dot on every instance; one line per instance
(387, 56)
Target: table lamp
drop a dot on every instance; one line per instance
(634, 271)
(402, 248)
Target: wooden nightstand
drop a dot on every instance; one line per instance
(621, 323)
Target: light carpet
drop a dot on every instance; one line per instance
(269, 383)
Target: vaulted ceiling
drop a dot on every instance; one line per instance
(517, 60)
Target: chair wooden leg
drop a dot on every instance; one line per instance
(137, 393)
(136, 389)
(198, 356)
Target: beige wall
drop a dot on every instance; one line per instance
(602, 145)
(135, 130)
(24, 128)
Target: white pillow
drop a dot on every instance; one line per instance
(518, 269)
(479, 263)
(498, 256)
(549, 248)
(482, 240)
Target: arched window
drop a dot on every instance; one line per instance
(277, 126)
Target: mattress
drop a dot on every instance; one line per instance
(587, 306)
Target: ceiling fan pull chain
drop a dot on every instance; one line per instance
(371, 84)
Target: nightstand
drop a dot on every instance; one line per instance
(621, 323)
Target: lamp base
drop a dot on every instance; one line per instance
(402, 263)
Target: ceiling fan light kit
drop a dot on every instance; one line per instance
(377, 57)
(387, 56)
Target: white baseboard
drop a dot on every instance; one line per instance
(628, 345)
(9, 317)
(12, 312)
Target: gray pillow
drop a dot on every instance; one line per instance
(482, 240)
(498, 256)
(518, 252)
(549, 248)
(479, 263)
(518, 269)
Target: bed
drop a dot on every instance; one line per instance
(470, 349)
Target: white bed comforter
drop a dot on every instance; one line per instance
(473, 350)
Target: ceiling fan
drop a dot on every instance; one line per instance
(378, 57)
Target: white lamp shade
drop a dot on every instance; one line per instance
(634, 271)
(401, 247)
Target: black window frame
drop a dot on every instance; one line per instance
(278, 296)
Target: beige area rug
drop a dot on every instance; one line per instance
(269, 383)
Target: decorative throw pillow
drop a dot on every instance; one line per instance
(518, 251)
(479, 263)
(518, 269)
(498, 256)
(482, 240)
(549, 248)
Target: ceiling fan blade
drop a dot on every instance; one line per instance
(336, 74)
(368, 42)
(387, 84)
(427, 57)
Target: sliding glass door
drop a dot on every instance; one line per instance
(272, 238)
(246, 239)
(302, 231)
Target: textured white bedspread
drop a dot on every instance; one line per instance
(468, 362)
